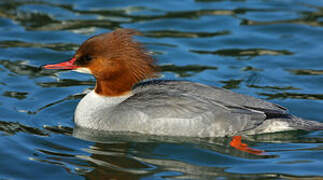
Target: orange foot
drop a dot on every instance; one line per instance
(236, 143)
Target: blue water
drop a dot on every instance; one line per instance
(264, 48)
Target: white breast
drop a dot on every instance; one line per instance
(93, 109)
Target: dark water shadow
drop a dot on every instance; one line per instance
(306, 71)
(52, 46)
(22, 68)
(180, 34)
(68, 98)
(285, 95)
(185, 71)
(246, 54)
(12, 128)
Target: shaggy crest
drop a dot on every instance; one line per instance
(116, 60)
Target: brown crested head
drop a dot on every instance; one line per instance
(116, 61)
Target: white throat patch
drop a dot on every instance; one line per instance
(83, 70)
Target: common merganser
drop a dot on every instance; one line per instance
(123, 101)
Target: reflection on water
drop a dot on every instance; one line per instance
(267, 49)
(133, 156)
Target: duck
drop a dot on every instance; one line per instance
(129, 97)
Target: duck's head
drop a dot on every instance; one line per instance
(114, 59)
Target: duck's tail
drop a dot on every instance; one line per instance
(307, 125)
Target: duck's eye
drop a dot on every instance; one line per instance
(83, 60)
(86, 58)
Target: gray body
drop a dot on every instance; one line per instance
(181, 108)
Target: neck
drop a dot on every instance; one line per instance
(121, 83)
(114, 87)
